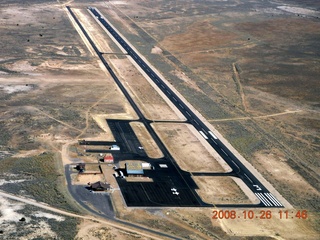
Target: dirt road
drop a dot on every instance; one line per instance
(62, 212)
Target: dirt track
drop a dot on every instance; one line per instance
(95, 219)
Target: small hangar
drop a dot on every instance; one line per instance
(100, 186)
(134, 169)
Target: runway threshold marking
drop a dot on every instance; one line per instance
(273, 199)
(263, 199)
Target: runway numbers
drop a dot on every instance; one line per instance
(257, 187)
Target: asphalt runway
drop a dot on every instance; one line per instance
(171, 186)
(261, 192)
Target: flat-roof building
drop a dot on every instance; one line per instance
(134, 168)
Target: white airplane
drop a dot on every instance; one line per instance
(173, 189)
(176, 193)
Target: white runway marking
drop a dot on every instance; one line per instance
(214, 136)
(263, 199)
(273, 199)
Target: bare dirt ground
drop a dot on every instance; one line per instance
(83, 179)
(217, 190)
(95, 231)
(240, 64)
(151, 102)
(187, 150)
(146, 140)
(274, 228)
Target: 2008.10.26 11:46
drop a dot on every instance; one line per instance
(262, 214)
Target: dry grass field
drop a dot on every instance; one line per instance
(250, 68)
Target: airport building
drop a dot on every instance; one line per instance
(108, 158)
(134, 169)
(100, 186)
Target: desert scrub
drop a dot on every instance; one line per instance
(4, 135)
(243, 138)
(66, 229)
(39, 224)
(42, 179)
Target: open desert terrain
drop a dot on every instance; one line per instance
(249, 69)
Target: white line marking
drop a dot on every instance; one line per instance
(265, 203)
(270, 196)
(214, 141)
(203, 135)
(264, 198)
(196, 122)
(188, 113)
(181, 105)
(271, 200)
(224, 152)
(235, 164)
(174, 99)
(257, 187)
(214, 136)
(274, 198)
(248, 177)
